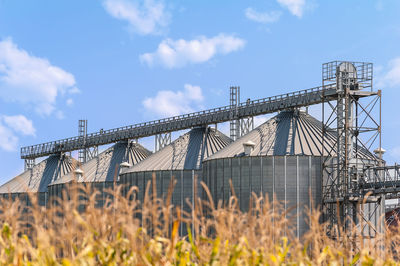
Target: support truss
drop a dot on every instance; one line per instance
(242, 126)
(162, 140)
(354, 119)
(29, 164)
(91, 152)
(86, 153)
(246, 125)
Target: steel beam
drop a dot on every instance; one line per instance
(162, 140)
(176, 123)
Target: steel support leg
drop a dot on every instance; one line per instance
(29, 164)
(162, 140)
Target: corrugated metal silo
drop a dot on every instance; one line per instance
(181, 160)
(37, 179)
(101, 172)
(281, 157)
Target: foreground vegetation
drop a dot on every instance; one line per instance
(126, 232)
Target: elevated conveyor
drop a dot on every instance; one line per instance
(206, 117)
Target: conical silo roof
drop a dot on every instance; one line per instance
(291, 132)
(186, 152)
(105, 166)
(40, 176)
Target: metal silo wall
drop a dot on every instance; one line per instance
(293, 179)
(183, 191)
(64, 192)
(26, 199)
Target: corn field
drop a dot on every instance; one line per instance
(129, 232)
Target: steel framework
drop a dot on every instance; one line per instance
(381, 180)
(186, 121)
(82, 133)
(357, 125)
(246, 125)
(242, 126)
(234, 101)
(85, 153)
(29, 163)
(162, 140)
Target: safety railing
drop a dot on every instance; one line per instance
(383, 179)
(210, 116)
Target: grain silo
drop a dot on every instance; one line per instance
(181, 160)
(281, 157)
(36, 179)
(101, 173)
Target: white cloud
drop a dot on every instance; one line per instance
(8, 141)
(20, 124)
(169, 103)
(296, 7)
(69, 102)
(74, 90)
(391, 77)
(262, 17)
(10, 126)
(60, 115)
(179, 53)
(31, 80)
(144, 16)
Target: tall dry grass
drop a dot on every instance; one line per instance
(76, 232)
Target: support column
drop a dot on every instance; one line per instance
(29, 164)
(162, 140)
(246, 125)
(352, 125)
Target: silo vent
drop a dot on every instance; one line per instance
(79, 173)
(248, 147)
(379, 151)
(125, 165)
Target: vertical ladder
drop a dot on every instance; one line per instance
(86, 153)
(82, 133)
(234, 100)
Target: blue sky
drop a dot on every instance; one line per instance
(119, 62)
